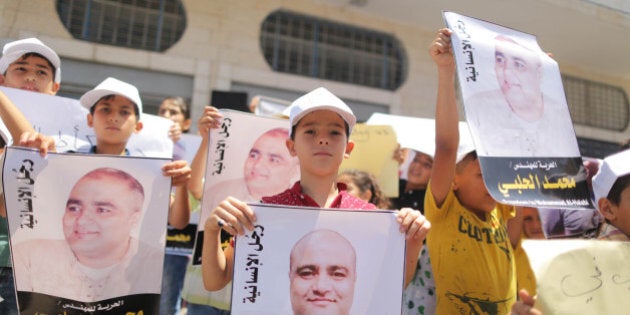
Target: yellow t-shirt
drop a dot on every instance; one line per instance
(472, 260)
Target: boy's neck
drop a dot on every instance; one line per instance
(113, 149)
(321, 189)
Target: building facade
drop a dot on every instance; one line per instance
(377, 62)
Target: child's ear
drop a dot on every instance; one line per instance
(349, 147)
(455, 182)
(55, 88)
(607, 209)
(139, 126)
(1, 79)
(90, 120)
(291, 147)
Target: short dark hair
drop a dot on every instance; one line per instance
(181, 103)
(366, 181)
(471, 156)
(614, 195)
(111, 96)
(33, 54)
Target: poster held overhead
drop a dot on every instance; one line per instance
(518, 116)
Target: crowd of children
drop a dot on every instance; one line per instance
(453, 272)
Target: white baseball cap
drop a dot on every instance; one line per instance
(108, 87)
(318, 99)
(613, 167)
(14, 50)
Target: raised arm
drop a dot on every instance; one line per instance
(208, 120)
(446, 118)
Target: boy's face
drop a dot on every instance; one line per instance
(114, 120)
(320, 143)
(32, 74)
(618, 215)
(471, 190)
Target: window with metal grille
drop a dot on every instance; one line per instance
(597, 148)
(153, 25)
(309, 46)
(596, 104)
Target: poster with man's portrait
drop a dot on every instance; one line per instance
(87, 232)
(325, 261)
(247, 159)
(518, 116)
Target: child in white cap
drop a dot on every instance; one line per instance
(26, 64)
(321, 124)
(611, 186)
(115, 107)
(30, 65)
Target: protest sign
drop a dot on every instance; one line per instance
(333, 260)
(373, 153)
(247, 159)
(580, 276)
(518, 116)
(81, 238)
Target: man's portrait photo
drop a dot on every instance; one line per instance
(256, 161)
(310, 261)
(515, 105)
(322, 274)
(268, 169)
(94, 234)
(98, 259)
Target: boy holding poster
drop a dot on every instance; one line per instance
(469, 226)
(321, 124)
(115, 108)
(26, 64)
